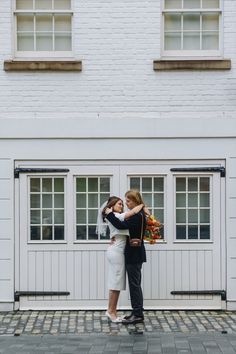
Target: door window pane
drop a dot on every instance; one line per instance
(152, 191)
(48, 212)
(91, 193)
(192, 215)
(180, 232)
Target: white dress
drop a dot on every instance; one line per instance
(116, 258)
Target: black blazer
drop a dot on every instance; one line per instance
(134, 223)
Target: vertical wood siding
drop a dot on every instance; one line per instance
(6, 230)
(83, 273)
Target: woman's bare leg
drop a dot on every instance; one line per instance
(113, 300)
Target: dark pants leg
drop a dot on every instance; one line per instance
(136, 294)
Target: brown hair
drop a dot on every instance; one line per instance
(135, 196)
(110, 203)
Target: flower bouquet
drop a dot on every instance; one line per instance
(152, 230)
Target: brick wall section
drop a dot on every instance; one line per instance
(117, 42)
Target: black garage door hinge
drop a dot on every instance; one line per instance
(39, 293)
(220, 169)
(17, 171)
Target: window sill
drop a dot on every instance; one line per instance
(41, 65)
(199, 64)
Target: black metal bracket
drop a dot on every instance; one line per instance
(39, 293)
(201, 292)
(220, 169)
(17, 171)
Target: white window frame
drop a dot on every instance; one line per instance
(41, 241)
(191, 54)
(46, 55)
(211, 191)
(87, 240)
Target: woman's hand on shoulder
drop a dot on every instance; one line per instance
(146, 211)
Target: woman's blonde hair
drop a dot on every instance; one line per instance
(135, 196)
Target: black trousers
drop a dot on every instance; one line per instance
(136, 294)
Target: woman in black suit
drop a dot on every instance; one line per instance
(134, 256)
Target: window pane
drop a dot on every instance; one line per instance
(193, 216)
(62, 4)
(180, 184)
(210, 41)
(193, 200)
(81, 201)
(192, 232)
(25, 23)
(92, 216)
(43, 23)
(173, 4)
(25, 42)
(80, 184)
(135, 183)
(172, 22)
(191, 41)
(180, 232)
(181, 200)
(44, 41)
(191, 22)
(204, 215)
(210, 22)
(104, 198)
(47, 217)
(35, 201)
(81, 216)
(105, 184)
(35, 217)
(172, 41)
(158, 184)
(193, 184)
(210, 4)
(180, 215)
(24, 4)
(58, 216)
(47, 200)
(159, 214)
(92, 184)
(47, 232)
(158, 200)
(204, 200)
(63, 23)
(59, 201)
(59, 233)
(204, 184)
(35, 184)
(93, 200)
(59, 185)
(47, 185)
(147, 197)
(92, 233)
(192, 4)
(62, 42)
(81, 232)
(43, 4)
(35, 233)
(146, 184)
(205, 232)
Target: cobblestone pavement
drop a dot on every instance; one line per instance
(157, 343)
(86, 322)
(89, 332)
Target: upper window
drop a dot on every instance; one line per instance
(192, 27)
(43, 27)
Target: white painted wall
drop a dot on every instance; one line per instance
(117, 42)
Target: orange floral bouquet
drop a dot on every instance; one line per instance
(152, 231)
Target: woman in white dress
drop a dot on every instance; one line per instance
(115, 255)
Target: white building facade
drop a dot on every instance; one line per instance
(99, 97)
